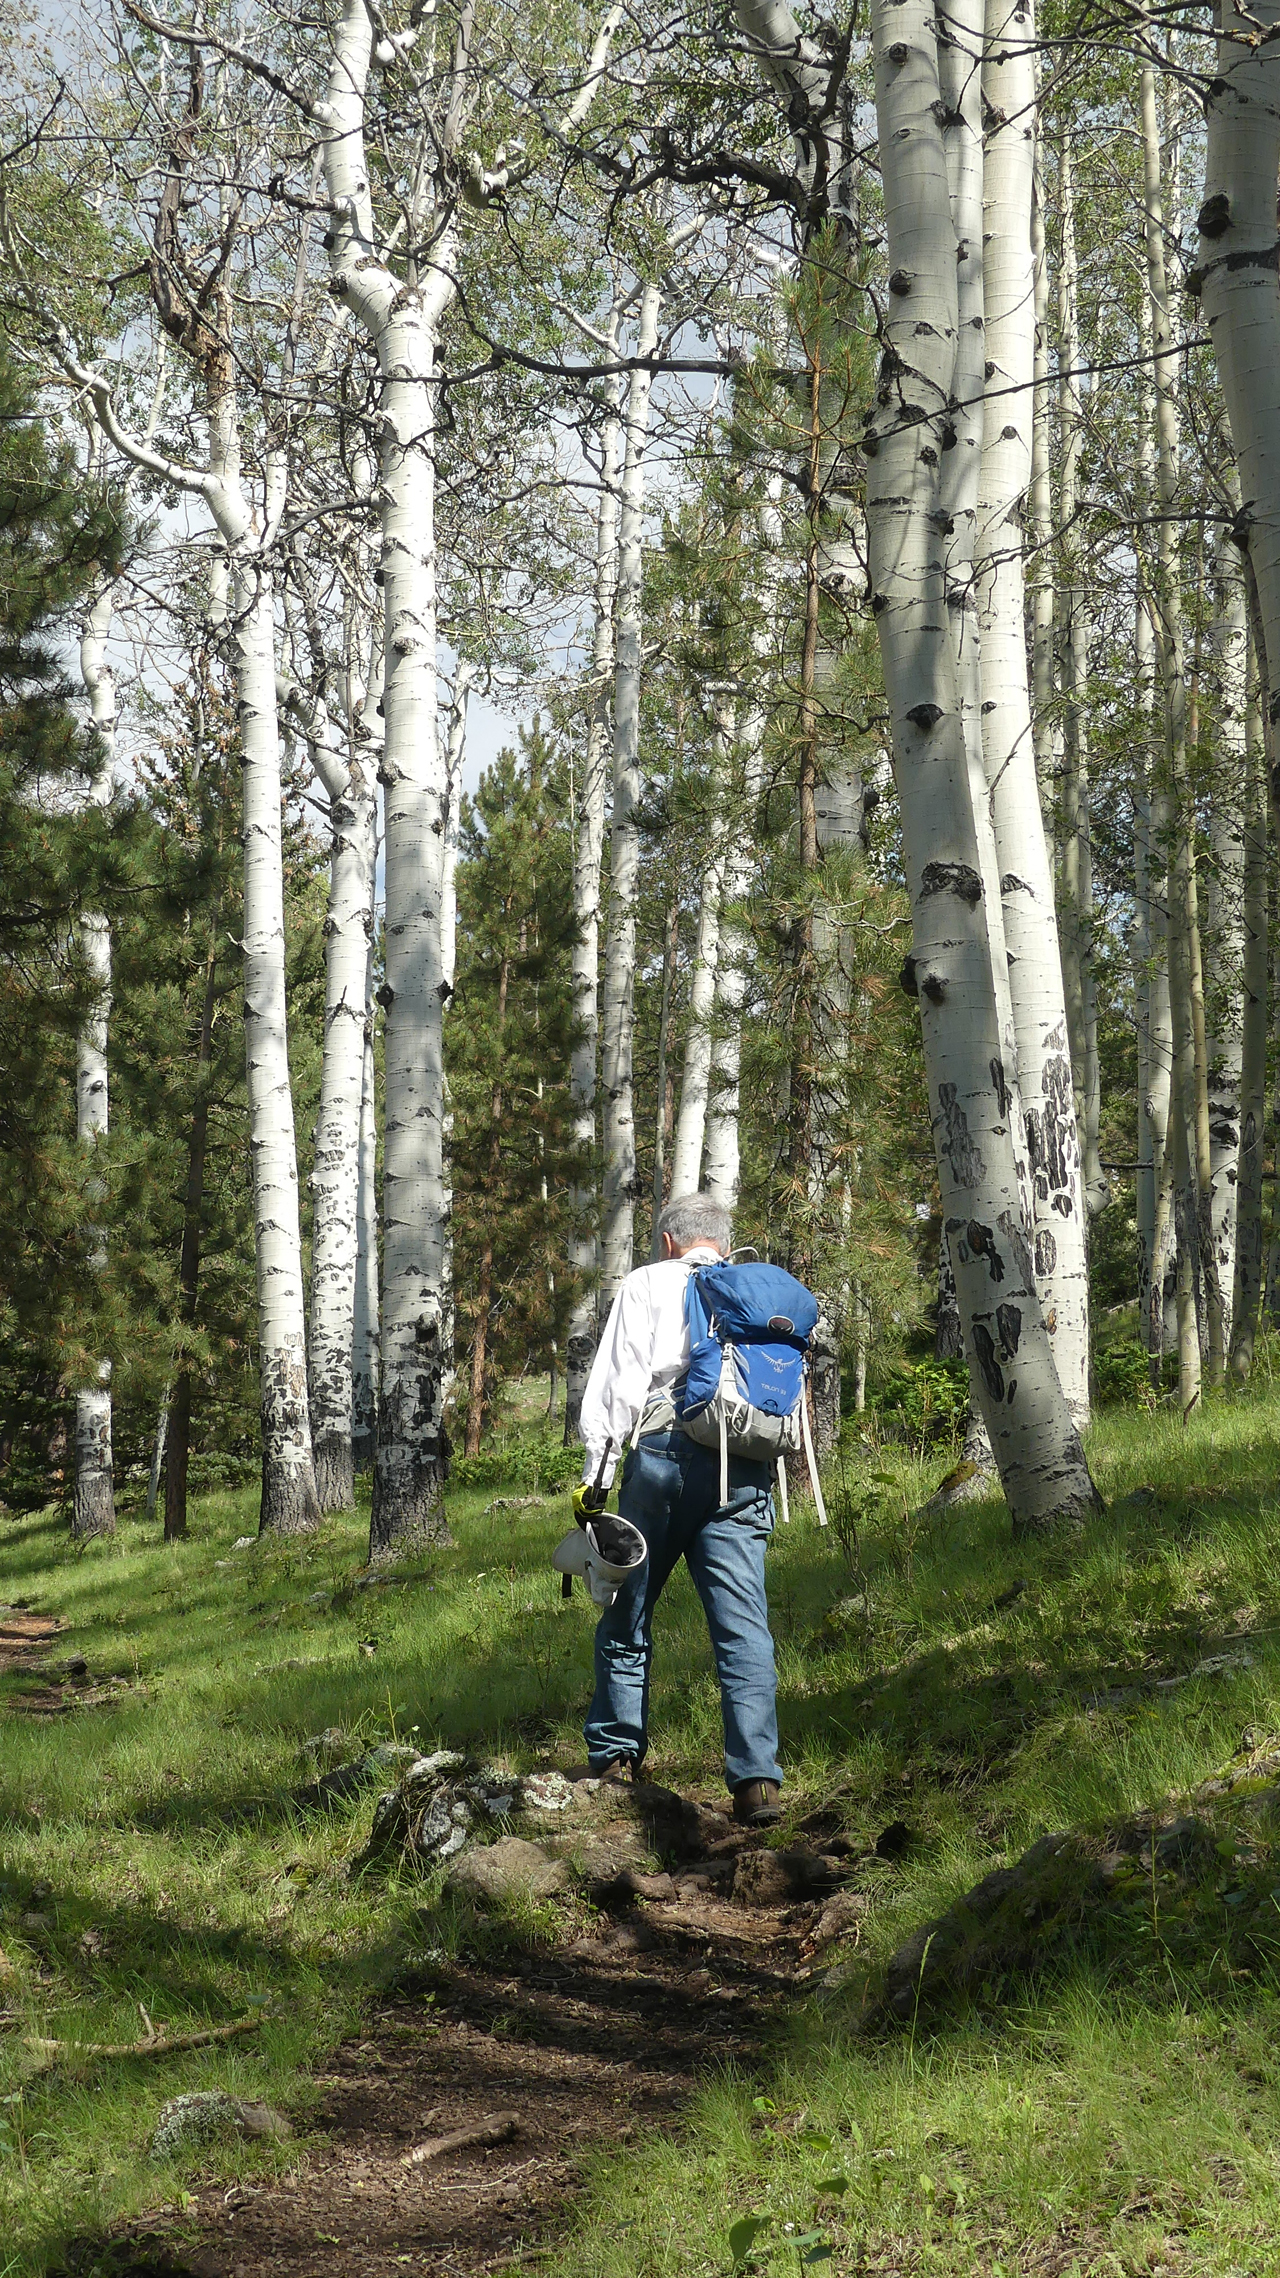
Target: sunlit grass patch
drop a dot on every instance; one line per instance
(932, 1674)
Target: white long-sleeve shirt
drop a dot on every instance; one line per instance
(644, 1349)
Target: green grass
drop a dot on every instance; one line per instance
(1122, 2115)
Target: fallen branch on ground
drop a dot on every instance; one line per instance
(152, 2044)
(495, 2128)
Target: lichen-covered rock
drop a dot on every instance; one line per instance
(545, 1791)
(510, 1868)
(203, 2114)
(442, 1802)
(326, 1750)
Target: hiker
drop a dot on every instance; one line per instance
(670, 1492)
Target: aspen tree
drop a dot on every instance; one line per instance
(1225, 920)
(1149, 938)
(402, 319)
(1036, 1444)
(1173, 815)
(1247, 1292)
(618, 992)
(580, 1342)
(1236, 278)
(1044, 730)
(288, 1484)
(365, 1322)
(1076, 866)
(347, 776)
(723, 1150)
(686, 1152)
(93, 1510)
(1025, 876)
(1034, 1440)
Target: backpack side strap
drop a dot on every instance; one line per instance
(811, 1459)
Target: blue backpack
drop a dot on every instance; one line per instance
(750, 1327)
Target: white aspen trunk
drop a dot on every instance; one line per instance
(289, 1503)
(93, 1508)
(723, 1150)
(335, 1179)
(618, 995)
(583, 1247)
(156, 1465)
(1247, 1292)
(960, 77)
(1025, 873)
(662, 1088)
(1225, 921)
(1076, 879)
(1040, 518)
(240, 574)
(455, 752)
(1036, 1445)
(1172, 810)
(402, 321)
(365, 1338)
(695, 1083)
(722, 1159)
(1157, 1293)
(1237, 281)
(1146, 865)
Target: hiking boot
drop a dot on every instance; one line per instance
(755, 1803)
(619, 1772)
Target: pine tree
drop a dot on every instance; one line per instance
(509, 1034)
(56, 864)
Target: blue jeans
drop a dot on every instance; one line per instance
(671, 1492)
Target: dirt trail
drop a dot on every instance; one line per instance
(589, 2045)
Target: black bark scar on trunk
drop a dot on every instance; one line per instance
(951, 878)
(1049, 1134)
(992, 1373)
(968, 1167)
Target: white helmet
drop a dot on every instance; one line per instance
(604, 1554)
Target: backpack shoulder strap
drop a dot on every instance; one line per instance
(695, 1312)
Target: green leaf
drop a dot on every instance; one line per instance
(820, 2253)
(744, 2234)
(763, 2104)
(815, 2139)
(834, 2185)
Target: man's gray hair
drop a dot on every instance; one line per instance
(690, 1218)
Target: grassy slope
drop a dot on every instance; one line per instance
(1110, 2114)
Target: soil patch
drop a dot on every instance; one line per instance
(48, 1685)
(24, 1636)
(587, 2045)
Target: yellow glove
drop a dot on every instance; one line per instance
(588, 1502)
